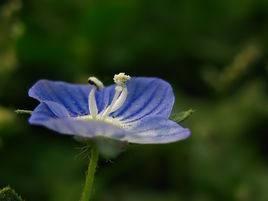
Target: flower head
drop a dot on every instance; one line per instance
(135, 110)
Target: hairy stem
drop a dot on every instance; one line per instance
(88, 187)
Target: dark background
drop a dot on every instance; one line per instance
(214, 53)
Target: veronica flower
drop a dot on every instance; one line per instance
(134, 110)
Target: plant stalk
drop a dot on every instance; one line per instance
(88, 187)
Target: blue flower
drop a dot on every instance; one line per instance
(134, 110)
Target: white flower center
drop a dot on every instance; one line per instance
(117, 102)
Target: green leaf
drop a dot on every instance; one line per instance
(8, 194)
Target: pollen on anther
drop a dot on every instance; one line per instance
(121, 79)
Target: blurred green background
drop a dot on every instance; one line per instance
(214, 53)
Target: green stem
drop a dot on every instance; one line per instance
(87, 191)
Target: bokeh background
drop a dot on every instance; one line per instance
(214, 53)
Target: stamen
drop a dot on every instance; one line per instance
(97, 84)
(120, 94)
(119, 98)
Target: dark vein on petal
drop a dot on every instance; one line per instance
(137, 97)
(152, 110)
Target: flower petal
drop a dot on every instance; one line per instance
(73, 97)
(157, 130)
(146, 96)
(45, 115)
(48, 110)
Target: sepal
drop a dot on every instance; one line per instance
(182, 116)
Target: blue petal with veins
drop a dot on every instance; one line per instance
(143, 118)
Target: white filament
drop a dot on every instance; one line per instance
(119, 98)
(92, 103)
(118, 90)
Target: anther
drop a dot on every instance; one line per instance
(121, 79)
(96, 82)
